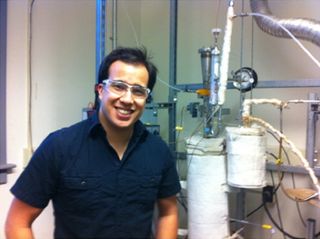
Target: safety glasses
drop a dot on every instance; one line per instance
(120, 88)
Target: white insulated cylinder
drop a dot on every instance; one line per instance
(206, 185)
(246, 154)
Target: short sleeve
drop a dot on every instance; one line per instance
(170, 184)
(36, 184)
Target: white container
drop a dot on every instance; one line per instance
(246, 157)
(206, 184)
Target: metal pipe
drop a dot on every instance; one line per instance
(3, 60)
(206, 66)
(100, 33)
(311, 129)
(114, 23)
(311, 229)
(173, 72)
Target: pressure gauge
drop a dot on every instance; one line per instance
(245, 79)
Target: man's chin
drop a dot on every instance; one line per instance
(123, 125)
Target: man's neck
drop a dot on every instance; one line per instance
(118, 138)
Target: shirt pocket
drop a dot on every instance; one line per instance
(79, 193)
(149, 187)
(139, 188)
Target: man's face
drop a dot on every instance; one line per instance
(122, 110)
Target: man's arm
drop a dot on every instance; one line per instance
(19, 220)
(167, 225)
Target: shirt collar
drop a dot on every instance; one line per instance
(96, 128)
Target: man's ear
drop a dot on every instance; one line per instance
(99, 89)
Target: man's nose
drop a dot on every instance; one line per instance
(127, 97)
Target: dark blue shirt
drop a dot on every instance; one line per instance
(94, 194)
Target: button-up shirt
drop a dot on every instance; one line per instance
(94, 194)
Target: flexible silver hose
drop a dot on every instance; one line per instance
(302, 28)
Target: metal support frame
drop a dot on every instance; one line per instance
(312, 118)
(114, 23)
(4, 167)
(290, 169)
(100, 33)
(301, 83)
(311, 229)
(3, 56)
(173, 73)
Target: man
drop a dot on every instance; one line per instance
(104, 174)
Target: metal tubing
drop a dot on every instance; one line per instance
(173, 73)
(311, 229)
(290, 169)
(311, 130)
(214, 75)
(270, 84)
(114, 23)
(206, 66)
(240, 210)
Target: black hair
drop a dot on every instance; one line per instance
(131, 56)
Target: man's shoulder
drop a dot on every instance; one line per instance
(155, 140)
(72, 132)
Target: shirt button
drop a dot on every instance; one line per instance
(83, 182)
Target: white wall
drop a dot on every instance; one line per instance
(63, 74)
(63, 77)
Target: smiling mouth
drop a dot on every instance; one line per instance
(124, 112)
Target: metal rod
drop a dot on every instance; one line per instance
(268, 84)
(311, 225)
(114, 23)
(173, 72)
(100, 33)
(311, 131)
(3, 46)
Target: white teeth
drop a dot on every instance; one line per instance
(125, 112)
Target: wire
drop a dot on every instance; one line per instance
(263, 226)
(182, 200)
(30, 136)
(292, 175)
(283, 148)
(293, 182)
(170, 86)
(131, 24)
(183, 109)
(276, 224)
(277, 206)
(276, 188)
(217, 14)
(297, 204)
(138, 44)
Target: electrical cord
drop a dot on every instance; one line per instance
(182, 200)
(282, 149)
(269, 214)
(30, 91)
(276, 224)
(264, 202)
(277, 205)
(276, 188)
(293, 181)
